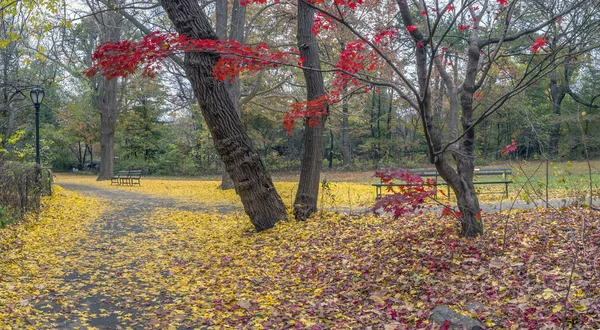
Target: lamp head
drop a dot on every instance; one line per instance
(37, 95)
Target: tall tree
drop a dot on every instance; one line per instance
(236, 32)
(485, 31)
(106, 94)
(312, 158)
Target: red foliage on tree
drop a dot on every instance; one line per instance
(123, 58)
(537, 44)
(510, 148)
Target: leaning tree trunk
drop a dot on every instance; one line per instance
(252, 182)
(312, 158)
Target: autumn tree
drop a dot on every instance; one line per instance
(106, 93)
(312, 158)
(252, 182)
(470, 37)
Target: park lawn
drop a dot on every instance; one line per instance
(333, 195)
(352, 191)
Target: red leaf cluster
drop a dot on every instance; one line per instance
(123, 58)
(322, 22)
(537, 44)
(306, 110)
(510, 148)
(385, 36)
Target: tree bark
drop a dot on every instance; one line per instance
(346, 148)
(252, 182)
(312, 158)
(236, 32)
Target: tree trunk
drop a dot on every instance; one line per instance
(236, 32)
(389, 116)
(557, 93)
(312, 159)
(330, 149)
(346, 148)
(252, 182)
(467, 200)
(461, 179)
(109, 110)
(91, 154)
(105, 98)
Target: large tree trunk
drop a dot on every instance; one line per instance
(107, 146)
(312, 158)
(252, 182)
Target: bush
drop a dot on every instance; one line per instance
(21, 186)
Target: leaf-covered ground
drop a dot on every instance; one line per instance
(143, 262)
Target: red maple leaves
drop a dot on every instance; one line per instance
(463, 27)
(537, 44)
(510, 148)
(123, 58)
(311, 111)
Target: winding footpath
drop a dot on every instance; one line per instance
(118, 274)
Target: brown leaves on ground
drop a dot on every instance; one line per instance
(336, 271)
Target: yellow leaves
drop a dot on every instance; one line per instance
(557, 308)
(36, 250)
(548, 294)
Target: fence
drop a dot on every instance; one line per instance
(21, 185)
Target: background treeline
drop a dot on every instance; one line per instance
(160, 130)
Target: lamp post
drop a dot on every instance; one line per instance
(37, 95)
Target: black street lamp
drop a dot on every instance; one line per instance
(37, 95)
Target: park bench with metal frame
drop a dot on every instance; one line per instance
(128, 177)
(504, 175)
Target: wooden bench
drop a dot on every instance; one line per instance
(129, 177)
(503, 175)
